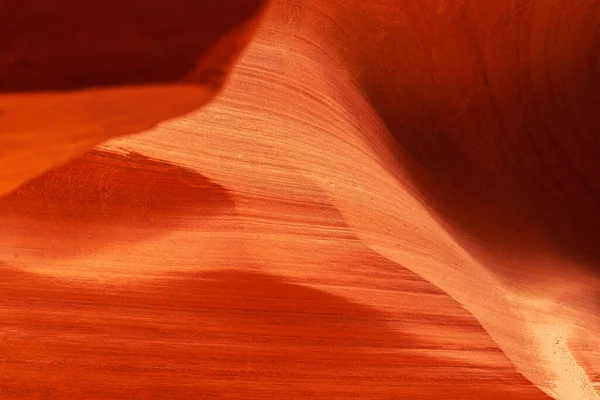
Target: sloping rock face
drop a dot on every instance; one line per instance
(74, 74)
(392, 199)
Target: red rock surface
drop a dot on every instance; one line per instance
(393, 199)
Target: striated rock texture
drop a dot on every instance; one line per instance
(389, 199)
(76, 73)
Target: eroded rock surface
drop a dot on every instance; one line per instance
(421, 176)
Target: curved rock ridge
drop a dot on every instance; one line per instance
(390, 199)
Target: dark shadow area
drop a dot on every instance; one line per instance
(499, 133)
(68, 44)
(106, 197)
(226, 334)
